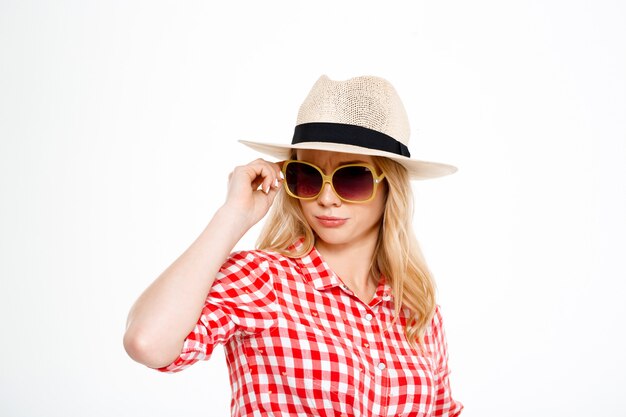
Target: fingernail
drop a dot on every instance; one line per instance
(282, 177)
(267, 190)
(276, 182)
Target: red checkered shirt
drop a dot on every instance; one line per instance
(298, 342)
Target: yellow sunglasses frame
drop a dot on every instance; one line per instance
(328, 179)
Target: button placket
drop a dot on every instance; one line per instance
(369, 320)
(371, 344)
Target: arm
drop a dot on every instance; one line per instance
(169, 308)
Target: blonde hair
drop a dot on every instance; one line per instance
(397, 255)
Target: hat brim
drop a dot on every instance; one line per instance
(418, 170)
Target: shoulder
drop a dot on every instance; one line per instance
(255, 258)
(254, 265)
(246, 275)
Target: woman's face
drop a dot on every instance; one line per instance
(336, 222)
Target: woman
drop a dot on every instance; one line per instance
(335, 312)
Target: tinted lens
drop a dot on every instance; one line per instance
(354, 183)
(303, 180)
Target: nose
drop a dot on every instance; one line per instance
(327, 196)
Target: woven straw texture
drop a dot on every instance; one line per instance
(370, 102)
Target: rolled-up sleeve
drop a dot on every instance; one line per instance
(445, 405)
(241, 301)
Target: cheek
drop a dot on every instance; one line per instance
(305, 206)
(370, 215)
(380, 201)
(376, 214)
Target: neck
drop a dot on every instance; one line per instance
(352, 263)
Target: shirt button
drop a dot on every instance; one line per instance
(369, 317)
(381, 366)
(366, 345)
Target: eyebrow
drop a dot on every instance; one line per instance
(375, 168)
(356, 161)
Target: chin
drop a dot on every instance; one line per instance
(334, 237)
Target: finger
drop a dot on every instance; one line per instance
(250, 174)
(266, 176)
(279, 165)
(256, 184)
(271, 194)
(278, 177)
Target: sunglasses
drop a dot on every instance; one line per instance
(352, 183)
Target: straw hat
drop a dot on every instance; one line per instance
(362, 115)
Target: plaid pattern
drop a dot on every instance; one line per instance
(299, 343)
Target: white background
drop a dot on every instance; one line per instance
(119, 124)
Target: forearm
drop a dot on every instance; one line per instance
(168, 309)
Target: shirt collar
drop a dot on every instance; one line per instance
(383, 292)
(319, 274)
(316, 271)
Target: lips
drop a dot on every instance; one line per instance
(329, 221)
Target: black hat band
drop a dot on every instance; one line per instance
(346, 134)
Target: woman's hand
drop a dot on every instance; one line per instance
(252, 189)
